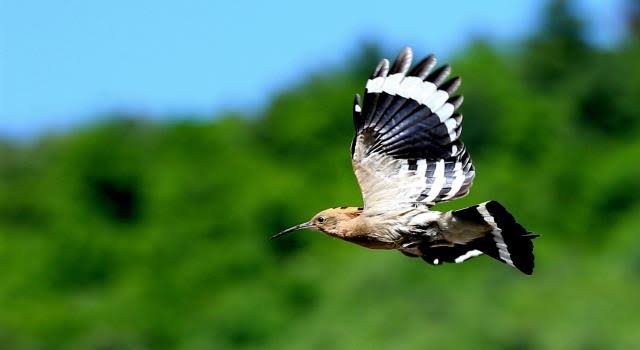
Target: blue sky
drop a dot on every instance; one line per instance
(63, 63)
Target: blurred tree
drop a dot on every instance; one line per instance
(138, 235)
(633, 19)
(559, 49)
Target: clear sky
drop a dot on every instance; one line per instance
(66, 62)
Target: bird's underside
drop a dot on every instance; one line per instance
(407, 156)
(442, 237)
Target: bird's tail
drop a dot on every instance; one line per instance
(506, 241)
(502, 239)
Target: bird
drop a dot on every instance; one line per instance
(407, 157)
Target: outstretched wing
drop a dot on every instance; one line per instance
(406, 148)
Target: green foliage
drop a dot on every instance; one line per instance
(138, 235)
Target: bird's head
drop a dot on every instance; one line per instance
(326, 221)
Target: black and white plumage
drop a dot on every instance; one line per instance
(507, 241)
(407, 131)
(407, 156)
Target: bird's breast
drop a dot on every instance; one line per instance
(369, 234)
(372, 241)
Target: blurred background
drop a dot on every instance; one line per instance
(149, 149)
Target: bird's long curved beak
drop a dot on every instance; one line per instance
(292, 229)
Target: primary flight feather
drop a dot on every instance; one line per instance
(407, 156)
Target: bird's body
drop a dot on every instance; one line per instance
(400, 229)
(407, 156)
(380, 230)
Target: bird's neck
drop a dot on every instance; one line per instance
(355, 226)
(361, 231)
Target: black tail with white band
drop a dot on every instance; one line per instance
(503, 239)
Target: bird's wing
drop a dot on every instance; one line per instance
(406, 149)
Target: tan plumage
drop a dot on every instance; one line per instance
(407, 156)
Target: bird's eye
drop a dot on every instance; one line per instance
(321, 219)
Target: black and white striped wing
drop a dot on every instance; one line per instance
(406, 148)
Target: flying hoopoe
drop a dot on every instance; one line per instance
(407, 157)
